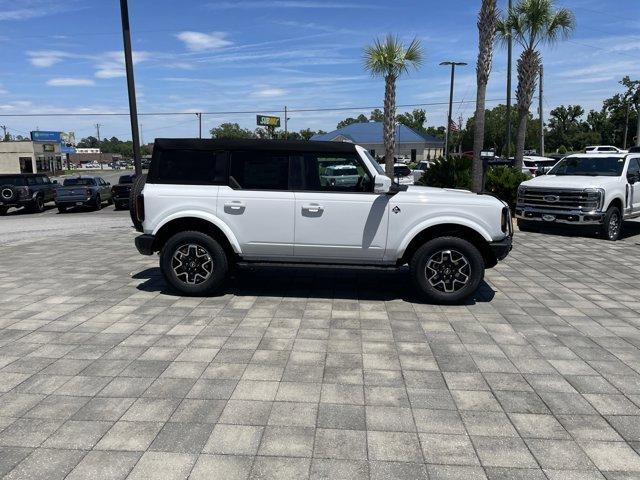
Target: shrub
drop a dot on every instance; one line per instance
(452, 172)
(504, 182)
(562, 150)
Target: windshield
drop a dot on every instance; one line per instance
(375, 163)
(126, 179)
(70, 182)
(402, 171)
(589, 166)
(20, 181)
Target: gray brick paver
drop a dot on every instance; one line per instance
(298, 374)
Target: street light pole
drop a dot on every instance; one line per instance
(131, 86)
(453, 77)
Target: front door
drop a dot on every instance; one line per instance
(633, 202)
(257, 205)
(337, 215)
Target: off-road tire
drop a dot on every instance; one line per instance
(62, 209)
(136, 189)
(429, 251)
(37, 205)
(3, 210)
(12, 197)
(212, 248)
(612, 224)
(97, 203)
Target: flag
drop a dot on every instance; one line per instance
(453, 127)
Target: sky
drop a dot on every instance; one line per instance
(65, 56)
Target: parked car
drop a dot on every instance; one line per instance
(402, 174)
(121, 192)
(29, 190)
(603, 149)
(419, 169)
(210, 204)
(584, 189)
(536, 165)
(83, 191)
(342, 174)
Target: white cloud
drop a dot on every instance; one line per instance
(270, 92)
(47, 58)
(111, 64)
(199, 41)
(70, 82)
(29, 9)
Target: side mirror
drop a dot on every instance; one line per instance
(55, 182)
(108, 183)
(381, 184)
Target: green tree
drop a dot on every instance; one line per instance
(632, 97)
(390, 58)
(564, 124)
(376, 115)
(414, 120)
(350, 121)
(532, 23)
(231, 130)
(487, 28)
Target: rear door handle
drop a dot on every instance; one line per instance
(313, 208)
(235, 205)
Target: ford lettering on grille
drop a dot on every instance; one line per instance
(551, 198)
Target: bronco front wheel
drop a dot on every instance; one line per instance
(447, 269)
(194, 263)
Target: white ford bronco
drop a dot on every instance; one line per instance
(210, 204)
(598, 189)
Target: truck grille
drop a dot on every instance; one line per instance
(559, 199)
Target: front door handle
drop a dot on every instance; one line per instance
(235, 205)
(313, 208)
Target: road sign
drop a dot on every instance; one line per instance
(267, 121)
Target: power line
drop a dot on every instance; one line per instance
(235, 112)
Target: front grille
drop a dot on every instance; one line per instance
(559, 199)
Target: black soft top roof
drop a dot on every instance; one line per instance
(22, 175)
(253, 144)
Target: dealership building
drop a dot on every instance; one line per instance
(369, 135)
(46, 152)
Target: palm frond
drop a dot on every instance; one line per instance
(390, 57)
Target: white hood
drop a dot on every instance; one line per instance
(571, 181)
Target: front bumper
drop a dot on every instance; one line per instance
(501, 248)
(144, 244)
(560, 216)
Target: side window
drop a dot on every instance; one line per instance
(335, 173)
(46, 180)
(31, 180)
(188, 167)
(259, 171)
(634, 166)
(39, 181)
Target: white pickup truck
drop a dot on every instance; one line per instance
(586, 189)
(210, 204)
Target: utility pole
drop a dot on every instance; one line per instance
(199, 115)
(453, 77)
(98, 137)
(131, 86)
(509, 69)
(4, 129)
(541, 107)
(286, 124)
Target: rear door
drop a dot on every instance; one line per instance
(633, 203)
(257, 204)
(337, 220)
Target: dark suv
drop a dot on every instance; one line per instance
(29, 190)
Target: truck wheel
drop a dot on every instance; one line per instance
(526, 226)
(37, 205)
(193, 263)
(62, 209)
(447, 270)
(612, 225)
(136, 189)
(3, 210)
(97, 205)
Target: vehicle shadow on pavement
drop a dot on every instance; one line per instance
(319, 282)
(630, 229)
(17, 212)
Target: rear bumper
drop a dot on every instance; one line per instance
(501, 248)
(144, 244)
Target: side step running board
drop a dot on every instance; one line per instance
(331, 266)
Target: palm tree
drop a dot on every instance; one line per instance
(389, 58)
(532, 23)
(487, 25)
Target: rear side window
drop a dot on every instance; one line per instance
(259, 171)
(188, 167)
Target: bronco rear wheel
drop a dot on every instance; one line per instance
(447, 269)
(194, 263)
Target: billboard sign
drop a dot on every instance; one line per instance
(68, 142)
(267, 121)
(45, 136)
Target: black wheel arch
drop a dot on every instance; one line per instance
(450, 230)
